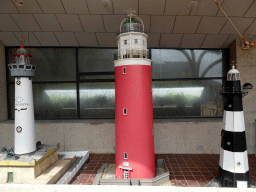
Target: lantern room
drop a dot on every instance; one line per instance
(132, 38)
(233, 74)
(22, 66)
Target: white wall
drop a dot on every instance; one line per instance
(246, 64)
(98, 136)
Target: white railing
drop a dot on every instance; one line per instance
(134, 53)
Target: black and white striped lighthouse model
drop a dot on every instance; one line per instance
(233, 165)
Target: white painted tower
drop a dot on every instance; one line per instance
(233, 165)
(24, 130)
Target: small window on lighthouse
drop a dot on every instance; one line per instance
(124, 111)
(125, 155)
(136, 41)
(124, 70)
(125, 42)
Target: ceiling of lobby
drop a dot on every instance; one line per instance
(169, 23)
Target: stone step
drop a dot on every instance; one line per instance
(53, 173)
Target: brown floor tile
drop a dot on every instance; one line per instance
(192, 184)
(179, 177)
(174, 164)
(90, 168)
(192, 170)
(187, 173)
(206, 173)
(183, 165)
(190, 163)
(90, 172)
(189, 177)
(178, 173)
(185, 169)
(202, 169)
(171, 173)
(199, 178)
(196, 173)
(208, 178)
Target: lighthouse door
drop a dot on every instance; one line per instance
(126, 174)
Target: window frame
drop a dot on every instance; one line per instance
(225, 66)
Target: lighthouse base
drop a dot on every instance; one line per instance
(43, 166)
(106, 176)
(215, 182)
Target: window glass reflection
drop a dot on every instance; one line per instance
(51, 100)
(97, 100)
(96, 60)
(169, 64)
(52, 64)
(187, 98)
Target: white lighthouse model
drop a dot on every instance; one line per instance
(24, 130)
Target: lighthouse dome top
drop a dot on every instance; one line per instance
(233, 74)
(233, 70)
(22, 50)
(131, 24)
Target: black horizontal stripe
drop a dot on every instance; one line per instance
(233, 101)
(229, 179)
(233, 86)
(233, 141)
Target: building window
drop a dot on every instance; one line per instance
(136, 41)
(125, 42)
(186, 83)
(124, 111)
(80, 82)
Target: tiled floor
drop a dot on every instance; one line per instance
(186, 170)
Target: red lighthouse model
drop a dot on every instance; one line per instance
(135, 156)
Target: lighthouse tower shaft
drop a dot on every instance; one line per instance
(24, 130)
(233, 165)
(135, 157)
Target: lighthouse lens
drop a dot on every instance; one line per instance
(233, 77)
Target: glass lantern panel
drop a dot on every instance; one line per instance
(233, 76)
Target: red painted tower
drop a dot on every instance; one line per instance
(134, 132)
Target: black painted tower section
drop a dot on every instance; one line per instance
(232, 142)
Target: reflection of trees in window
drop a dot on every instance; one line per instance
(96, 60)
(196, 64)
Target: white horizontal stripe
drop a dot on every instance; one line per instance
(229, 161)
(234, 121)
(132, 61)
